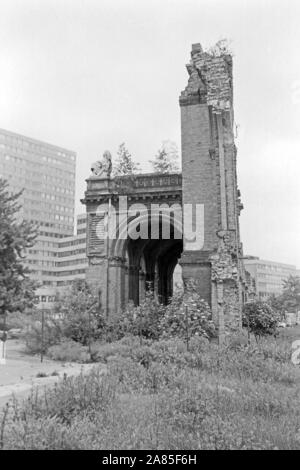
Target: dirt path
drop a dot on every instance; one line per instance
(19, 374)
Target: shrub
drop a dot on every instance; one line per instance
(260, 319)
(237, 341)
(101, 352)
(81, 315)
(142, 320)
(78, 318)
(161, 396)
(187, 315)
(69, 351)
(36, 341)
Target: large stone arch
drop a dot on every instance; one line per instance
(208, 179)
(150, 263)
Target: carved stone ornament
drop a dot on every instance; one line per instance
(102, 168)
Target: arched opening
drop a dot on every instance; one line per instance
(151, 264)
(177, 278)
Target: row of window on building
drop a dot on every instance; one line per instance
(63, 254)
(60, 227)
(75, 242)
(73, 262)
(48, 216)
(55, 273)
(51, 189)
(17, 143)
(269, 267)
(51, 234)
(21, 165)
(43, 253)
(21, 183)
(15, 171)
(46, 206)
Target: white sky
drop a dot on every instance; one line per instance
(90, 74)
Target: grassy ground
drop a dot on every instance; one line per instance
(23, 370)
(21, 366)
(290, 333)
(161, 396)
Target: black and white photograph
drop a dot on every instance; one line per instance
(149, 228)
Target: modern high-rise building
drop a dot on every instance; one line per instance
(46, 174)
(70, 263)
(268, 275)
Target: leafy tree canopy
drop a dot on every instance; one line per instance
(125, 165)
(80, 310)
(291, 294)
(17, 291)
(289, 300)
(259, 318)
(167, 158)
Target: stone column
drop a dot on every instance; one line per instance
(142, 290)
(220, 303)
(115, 286)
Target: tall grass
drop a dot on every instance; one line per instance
(161, 396)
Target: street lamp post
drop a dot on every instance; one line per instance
(43, 331)
(3, 345)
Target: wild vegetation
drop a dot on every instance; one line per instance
(17, 291)
(79, 327)
(159, 395)
(163, 382)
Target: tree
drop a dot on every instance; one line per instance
(17, 291)
(290, 296)
(141, 320)
(259, 318)
(125, 164)
(166, 159)
(80, 311)
(276, 304)
(187, 315)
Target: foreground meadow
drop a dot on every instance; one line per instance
(159, 395)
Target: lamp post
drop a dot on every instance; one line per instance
(3, 345)
(43, 332)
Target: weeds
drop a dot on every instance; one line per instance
(161, 396)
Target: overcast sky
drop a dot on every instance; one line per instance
(90, 74)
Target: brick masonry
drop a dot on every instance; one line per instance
(208, 177)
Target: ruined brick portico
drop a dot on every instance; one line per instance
(120, 267)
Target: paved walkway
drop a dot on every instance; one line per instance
(19, 374)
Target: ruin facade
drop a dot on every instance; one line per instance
(123, 266)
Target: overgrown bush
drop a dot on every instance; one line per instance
(40, 338)
(260, 319)
(141, 320)
(70, 351)
(80, 312)
(78, 317)
(158, 395)
(187, 315)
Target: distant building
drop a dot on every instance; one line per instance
(268, 275)
(71, 264)
(47, 175)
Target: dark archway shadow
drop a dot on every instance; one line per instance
(151, 265)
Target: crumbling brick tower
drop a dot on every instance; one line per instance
(209, 178)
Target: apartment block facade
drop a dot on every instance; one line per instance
(71, 263)
(268, 275)
(46, 174)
